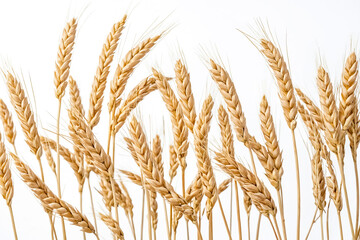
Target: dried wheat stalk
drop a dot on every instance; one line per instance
(201, 131)
(282, 75)
(273, 166)
(182, 79)
(180, 132)
(152, 176)
(49, 200)
(125, 69)
(7, 122)
(318, 181)
(102, 72)
(251, 184)
(62, 65)
(113, 226)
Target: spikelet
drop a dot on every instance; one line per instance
(6, 184)
(174, 164)
(113, 226)
(318, 181)
(7, 122)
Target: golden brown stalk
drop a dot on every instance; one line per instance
(201, 130)
(152, 176)
(251, 184)
(313, 109)
(7, 122)
(227, 90)
(102, 72)
(182, 79)
(318, 181)
(273, 165)
(247, 203)
(135, 96)
(113, 226)
(49, 200)
(334, 136)
(6, 184)
(286, 90)
(26, 117)
(125, 69)
(180, 131)
(62, 65)
(348, 114)
(174, 164)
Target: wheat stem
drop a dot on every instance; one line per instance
(81, 208)
(340, 226)
(166, 220)
(238, 210)
(92, 203)
(277, 227)
(13, 221)
(273, 228)
(280, 199)
(258, 227)
(297, 183)
(142, 215)
(312, 224)
(322, 224)
(224, 218)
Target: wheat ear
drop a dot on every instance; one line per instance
(151, 175)
(7, 122)
(174, 164)
(49, 200)
(102, 72)
(182, 79)
(126, 68)
(113, 226)
(313, 109)
(348, 114)
(201, 130)
(49, 156)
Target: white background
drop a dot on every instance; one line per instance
(309, 32)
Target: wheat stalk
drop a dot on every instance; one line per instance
(102, 72)
(7, 122)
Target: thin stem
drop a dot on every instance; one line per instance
(132, 227)
(272, 226)
(327, 221)
(142, 215)
(224, 218)
(298, 183)
(312, 223)
(211, 226)
(183, 190)
(340, 226)
(341, 166)
(281, 206)
(13, 221)
(258, 227)
(112, 181)
(149, 214)
(58, 164)
(92, 203)
(81, 208)
(238, 209)
(171, 217)
(231, 204)
(198, 228)
(322, 224)
(52, 229)
(166, 220)
(277, 227)
(354, 156)
(248, 226)
(252, 161)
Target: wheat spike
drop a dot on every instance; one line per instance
(247, 203)
(125, 69)
(49, 156)
(273, 167)
(107, 193)
(182, 79)
(7, 122)
(318, 181)
(180, 131)
(62, 65)
(49, 200)
(348, 101)
(157, 154)
(152, 176)
(224, 185)
(282, 75)
(329, 111)
(174, 164)
(227, 90)
(250, 183)
(6, 184)
(313, 109)
(75, 99)
(201, 130)
(102, 72)
(227, 139)
(25, 115)
(195, 193)
(113, 226)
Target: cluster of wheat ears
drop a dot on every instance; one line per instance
(328, 127)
